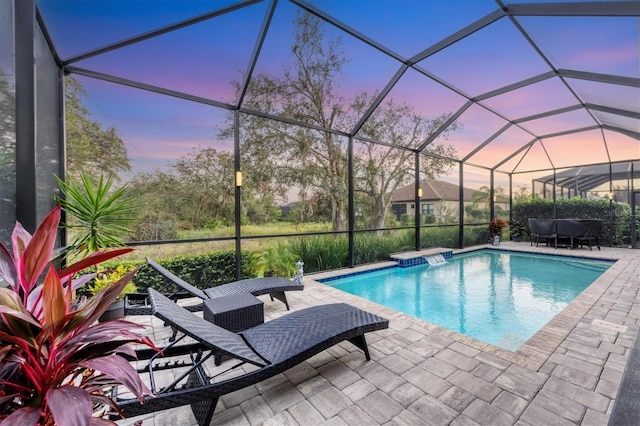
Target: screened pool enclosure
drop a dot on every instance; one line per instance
(243, 124)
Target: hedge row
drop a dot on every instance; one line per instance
(205, 270)
(615, 216)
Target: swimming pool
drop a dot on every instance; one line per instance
(499, 297)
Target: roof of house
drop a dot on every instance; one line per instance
(433, 190)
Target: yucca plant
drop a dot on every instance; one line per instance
(97, 215)
(56, 361)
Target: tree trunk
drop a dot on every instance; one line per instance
(338, 213)
(380, 213)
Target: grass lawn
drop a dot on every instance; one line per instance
(167, 251)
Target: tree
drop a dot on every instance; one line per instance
(522, 194)
(306, 92)
(157, 195)
(483, 195)
(381, 169)
(205, 182)
(194, 190)
(90, 148)
(316, 159)
(198, 191)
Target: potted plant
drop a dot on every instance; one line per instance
(516, 230)
(105, 278)
(495, 230)
(97, 218)
(57, 362)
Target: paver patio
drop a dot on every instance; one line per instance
(422, 374)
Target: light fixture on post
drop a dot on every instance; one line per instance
(238, 178)
(419, 192)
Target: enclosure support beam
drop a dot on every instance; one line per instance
(492, 195)
(238, 193)
(634, 212)
(25, 20)
(62, 138)
(611, 218)
(461, 205)
(417, 200)
(510, 199)
(351, 203)
(555, 209)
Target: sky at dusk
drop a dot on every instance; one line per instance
(204, 59)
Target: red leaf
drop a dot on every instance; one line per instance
(69, 405)
(92, 259)
(38, 252)
(19, 240)
(23, 417)
(99, 303)
(119, 369)
(19, 315)
(106, 332)
(54, 301)
(7, 267)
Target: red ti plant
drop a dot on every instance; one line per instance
(56, 360)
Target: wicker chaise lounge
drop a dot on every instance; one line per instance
(273, 347)
(275, 287)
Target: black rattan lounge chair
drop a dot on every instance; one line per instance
(272, 347)
(275, 287)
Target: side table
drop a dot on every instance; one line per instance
(236, 312)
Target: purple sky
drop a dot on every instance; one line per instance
(203, 59)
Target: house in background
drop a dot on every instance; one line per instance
(439, 199)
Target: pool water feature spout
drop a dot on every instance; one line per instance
(436, 259)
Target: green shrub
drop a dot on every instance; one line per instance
(203, 271)
(276, 261)
(370, 248)
(428, 219)
(106, 277)
(321, 252)
(615, 217)
(474, 235)
(439, 236)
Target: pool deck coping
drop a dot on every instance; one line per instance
(420, 373)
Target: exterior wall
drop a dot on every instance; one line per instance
(31, 134)
(439, 207)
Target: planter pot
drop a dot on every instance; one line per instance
(114, 311)
(496, 240)
(516, 239)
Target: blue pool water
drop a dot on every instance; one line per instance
(502, 298)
